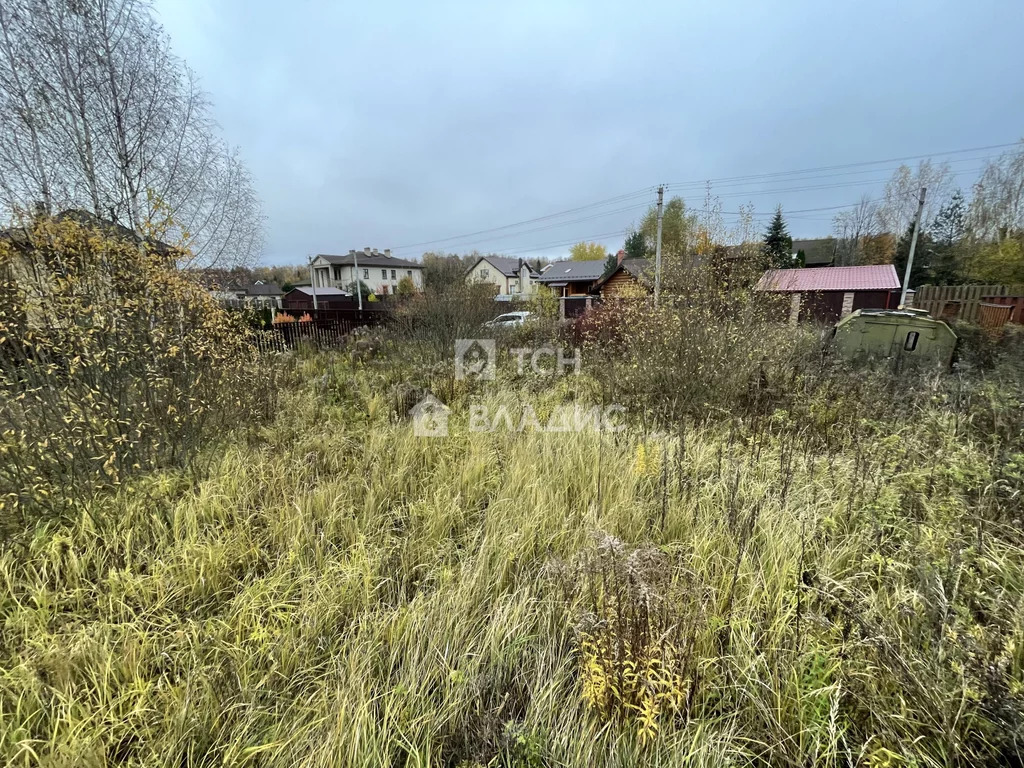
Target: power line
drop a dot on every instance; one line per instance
(555, 225)
(713, 186)
(843, 166)
(814, 187)
(618, 198)
(729, 182)
(794, 213)
(571, 241)
(559, 224)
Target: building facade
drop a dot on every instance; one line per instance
(508, 275)
(379, 271)
(630, 279)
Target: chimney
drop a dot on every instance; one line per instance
(368, 251)
(620, 255)
(387, 252)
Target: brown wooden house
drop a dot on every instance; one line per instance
(632, 277)
(301, 298)
(574, 282)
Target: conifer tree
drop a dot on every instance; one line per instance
(778, 245)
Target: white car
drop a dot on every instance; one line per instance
(509, 320)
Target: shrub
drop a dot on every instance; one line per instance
(406, 286)
(437, 318)
(985, 348)
(544, 304)
(703, 349)
(112, 361)
(637, 639)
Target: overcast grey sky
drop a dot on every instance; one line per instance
(390, 124)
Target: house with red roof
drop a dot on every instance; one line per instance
(827, 294)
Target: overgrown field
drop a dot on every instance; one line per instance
(826, 580)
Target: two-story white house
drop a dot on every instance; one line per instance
(509, 275)
(380, 272)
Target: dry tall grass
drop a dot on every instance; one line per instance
(765, 590)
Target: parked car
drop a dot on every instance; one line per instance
(508, 320)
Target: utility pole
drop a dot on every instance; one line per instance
(312, 282)
(359, 285)
(913, 246)
(657, 248)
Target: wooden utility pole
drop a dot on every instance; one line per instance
(312, 282)
(657, 248)
(913, 247)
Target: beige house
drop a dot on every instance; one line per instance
(511, 276)
(380, 272)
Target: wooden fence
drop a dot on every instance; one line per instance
(324, 328)
(983, 304)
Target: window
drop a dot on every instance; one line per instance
(337, 273)
(393, 275)
(384, 274)
(366, 274)
(408, 272)
(911, 343)
(484, 274)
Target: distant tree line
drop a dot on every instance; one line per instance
(977, 238)
(963, 239)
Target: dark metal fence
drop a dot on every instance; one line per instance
(324, 328)
(577, 305)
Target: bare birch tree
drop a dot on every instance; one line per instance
(851, 228)
(21, 145)
(997, 209)
(899, 201)
(98, 113)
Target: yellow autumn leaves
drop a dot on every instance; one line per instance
(113, 361)
(639, 682)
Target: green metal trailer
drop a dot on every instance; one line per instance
(895, 333)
